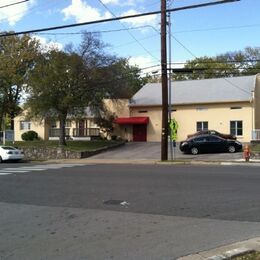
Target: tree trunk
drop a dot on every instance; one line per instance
(1, 121)
(2, 116)
(62, 141)
(12, 116)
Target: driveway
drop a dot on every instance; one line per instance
(152, 150)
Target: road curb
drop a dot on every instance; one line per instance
(150, 162)
(227, 252)
(240, 163)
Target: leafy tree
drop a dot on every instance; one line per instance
(17, 58)
(58, 87)
(65, 82)
(105, 122)
(122, 80)
(230, 64)
(109, 72)
(248, 60)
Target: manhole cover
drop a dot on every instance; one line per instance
(113, 202)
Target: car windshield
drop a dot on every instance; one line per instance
(8, 148)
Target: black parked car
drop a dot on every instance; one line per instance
(209, 144)
(213, 132)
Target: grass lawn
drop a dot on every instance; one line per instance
(79, 146)
(255, 147)
(250, 256)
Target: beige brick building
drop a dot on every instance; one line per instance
(227, 105)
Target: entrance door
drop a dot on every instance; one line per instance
(139, 133)
(81, 128)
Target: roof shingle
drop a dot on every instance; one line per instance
(198, 91)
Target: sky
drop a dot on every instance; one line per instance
(207, 31)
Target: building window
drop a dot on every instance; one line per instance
(25, 125)
(236, 128)
(54, 124)
(235, 107)
(201, 108)
(92, 124)
(203, 125)
(142, 111)
(68, 123)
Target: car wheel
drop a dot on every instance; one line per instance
(194, 150)
(231, 149)
(1, 159)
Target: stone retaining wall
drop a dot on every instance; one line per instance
(47, 153)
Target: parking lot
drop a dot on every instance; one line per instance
(152, 150)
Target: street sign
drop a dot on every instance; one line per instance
(173, 129)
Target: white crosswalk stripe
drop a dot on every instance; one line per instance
(23, 169)
(14, 170)
(40, 167)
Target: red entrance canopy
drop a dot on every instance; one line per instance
(132, 120)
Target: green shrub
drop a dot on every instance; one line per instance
(30, 136)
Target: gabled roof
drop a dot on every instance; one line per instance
(198, 91)
(85, 113)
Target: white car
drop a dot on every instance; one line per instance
(10, 153)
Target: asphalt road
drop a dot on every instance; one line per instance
(170, 211)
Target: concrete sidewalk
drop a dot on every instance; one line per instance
(91, 160)
(42, 232)
(150, 153)
(227, 252)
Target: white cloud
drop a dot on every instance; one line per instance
(143, 62)
(119, 2)
(48, 45)
(14, 13)
(115, 2)
(82, 12)
(140, 21)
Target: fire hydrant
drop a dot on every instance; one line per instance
(246, 153)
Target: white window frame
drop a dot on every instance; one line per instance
(68, 123)
(25, 125)
(235, 130)
(204, 125)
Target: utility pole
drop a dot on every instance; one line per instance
(164, 133)
(170, 83)
(164, 137)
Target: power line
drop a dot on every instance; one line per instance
(183, 46)
(106, 31)
(144, 38)
(205, 69)
(16, 3)
(118, 18)
(231, 83)
(176, 41)
(139, 43)
(218, 28)
(209, 62)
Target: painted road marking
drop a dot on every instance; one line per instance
(31, 169)
(42, 167)
(15, 170)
